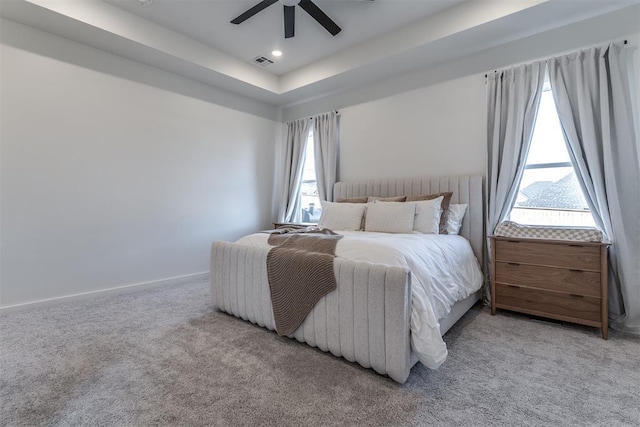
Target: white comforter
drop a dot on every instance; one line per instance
(443, 267)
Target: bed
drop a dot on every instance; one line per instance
(370, 318)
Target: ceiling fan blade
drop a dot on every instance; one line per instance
(317, 14)
(289, 21)
(255, 9)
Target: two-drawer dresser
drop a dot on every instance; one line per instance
(557, 279)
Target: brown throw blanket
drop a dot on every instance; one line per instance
(300, 272)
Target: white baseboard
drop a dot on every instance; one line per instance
(190, 278)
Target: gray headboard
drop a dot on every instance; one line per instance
(466, 189)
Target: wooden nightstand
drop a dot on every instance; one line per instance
(558, 279)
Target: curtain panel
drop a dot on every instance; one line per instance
(326, 141)
(513, 97)
(293, 163)
(592, 91)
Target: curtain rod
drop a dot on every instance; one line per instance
(335, 111)
(495, 71)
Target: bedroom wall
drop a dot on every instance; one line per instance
(433, 121)
(436, 130)
(106, 182)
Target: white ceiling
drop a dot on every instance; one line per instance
(208, 22)
(379, 39)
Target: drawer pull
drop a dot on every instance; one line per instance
(513, 241)
(576, 296)
(575, 270)
(575, 246)
(515, 264)
(514, 286)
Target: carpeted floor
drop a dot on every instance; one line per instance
(163, 357)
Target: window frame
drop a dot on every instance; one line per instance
(550, 166)
(309, 145)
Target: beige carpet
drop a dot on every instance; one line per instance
(162, 357)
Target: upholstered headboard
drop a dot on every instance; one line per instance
(466, 189)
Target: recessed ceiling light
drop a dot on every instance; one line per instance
(276, 53)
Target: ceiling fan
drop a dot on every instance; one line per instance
(289, 7)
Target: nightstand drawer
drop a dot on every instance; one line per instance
(573, 281)
(545, 303)
(577, 256)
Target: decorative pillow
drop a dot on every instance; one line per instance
(427, 219)
(342, 216)
(371, 199)
(582, 234)
(445, 206)
(353, 200)
(390, 217)
(456, 215)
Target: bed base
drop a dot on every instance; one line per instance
(365, 320)
(458, 310)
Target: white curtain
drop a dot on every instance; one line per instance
(592, 90)
(293, 163)
(513, 97)
(326, 141)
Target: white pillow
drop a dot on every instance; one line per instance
(428, 213)
(454, 220)
(342, 216)
(390, 217)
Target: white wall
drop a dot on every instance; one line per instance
(433, 121)
(106, 182)
(436, 130)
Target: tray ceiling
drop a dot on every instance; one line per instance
(380, 39)
(208, 22)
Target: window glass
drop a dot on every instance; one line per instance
(309, 199)
(549, 193)
(547, 144)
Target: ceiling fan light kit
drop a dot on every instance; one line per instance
(289, 9)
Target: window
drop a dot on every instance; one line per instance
(309, 200)
(549, 193)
